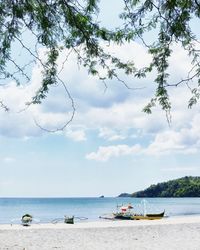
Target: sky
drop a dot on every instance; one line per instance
(111, 146)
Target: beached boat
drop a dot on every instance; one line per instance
(69, 220)
(26, 219)
(148, 216)
(126, 213)
(124, 216)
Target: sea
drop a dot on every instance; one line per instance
(47, 210)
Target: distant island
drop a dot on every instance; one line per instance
(187, 186)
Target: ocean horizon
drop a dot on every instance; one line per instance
(47, 209)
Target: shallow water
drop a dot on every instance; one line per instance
(47, 209)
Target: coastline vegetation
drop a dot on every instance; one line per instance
(187, 186)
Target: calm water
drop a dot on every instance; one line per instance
(47, 209)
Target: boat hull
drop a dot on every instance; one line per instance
(149, 216)
(69, 220)
(121, 216)
(26, 219)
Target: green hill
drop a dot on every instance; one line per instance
(183, 187)
(124, 195)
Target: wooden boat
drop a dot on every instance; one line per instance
(148, 216)
(123, 216)
(156, 215)
(126, 213)
(69, 220)
(26, 219)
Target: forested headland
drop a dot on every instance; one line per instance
(187, 186)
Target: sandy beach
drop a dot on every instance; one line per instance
(167, 234)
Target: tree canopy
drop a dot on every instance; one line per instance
(187, 186)
(57, 25)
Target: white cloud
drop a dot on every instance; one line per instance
(110, 134)
(76, 135)
(183, 140)
(87, 91)
(105, 153)
(114, 113)
(178, 140)
(167, 142)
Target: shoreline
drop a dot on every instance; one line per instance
(168, 233)
(187, 219)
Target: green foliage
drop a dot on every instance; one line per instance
(72, 24)
(171, 20)
(183, 187)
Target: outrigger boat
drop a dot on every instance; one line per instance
(69, 220)
(26, 219)
(125, 213)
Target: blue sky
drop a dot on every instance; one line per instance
(111, 146)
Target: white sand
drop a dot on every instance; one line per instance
(180, 233)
